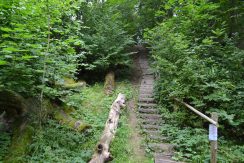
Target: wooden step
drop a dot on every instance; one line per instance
(148, 73)
(162, 154)
(147, 91)
(146, 110)
(147, 104)
(147, 87)
(145, 95)
(149, 82)
(157, 138)
(146, 100)
(147, 78)
(152, 127)
(161, 147)
(150, 116)
(152, 132)
(151, 77)
(151, 121)
(164, 160)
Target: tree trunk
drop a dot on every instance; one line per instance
(102, 153)
(109, 85)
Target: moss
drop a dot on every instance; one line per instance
(66, 119)
(68, 109)
(70, 83)
(21, 139)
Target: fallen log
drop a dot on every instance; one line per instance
(102, 153)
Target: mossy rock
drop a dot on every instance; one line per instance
(12, 103)
(22, 137)
(70, 83)
(66, 119)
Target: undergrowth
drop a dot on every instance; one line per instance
(192, 144)
(5, 140)
(58, 143)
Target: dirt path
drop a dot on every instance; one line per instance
(136, 139)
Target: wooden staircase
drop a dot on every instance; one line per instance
(151, 120)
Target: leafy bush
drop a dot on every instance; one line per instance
(5, 140)
(196, 59)
(192, 144)
(106, 38)
(37, 47)
(199, 67)
(58, 144)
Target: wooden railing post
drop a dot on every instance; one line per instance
(213, 134)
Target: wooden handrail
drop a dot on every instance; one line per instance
(197, 112)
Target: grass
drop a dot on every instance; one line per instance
(59, 143)
(121, 147)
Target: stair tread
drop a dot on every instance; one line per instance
(146, 110)
(150, 116)
(150, 126)
(152, 132)
(147, 99)
(164, 160)
(151, 121)
(162, 147)
(157, 138)
(142, 95)
(147, 104)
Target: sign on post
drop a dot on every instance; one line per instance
(213, 132)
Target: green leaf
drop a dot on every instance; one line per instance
(10, 49)
(3, 62)
(6, 29)
(28, 57)
(6, 35)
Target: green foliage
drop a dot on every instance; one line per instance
(129, 14)
(58, 144)
(196, 59)
(106, 38)
(26, 53)
(5, 140)
(199, 65)
(43, 43)
(21, 139)
(192, 144)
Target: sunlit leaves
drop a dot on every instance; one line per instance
(2, 62)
